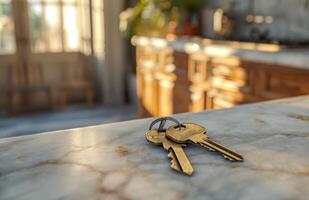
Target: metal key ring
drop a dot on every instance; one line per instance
(162, 121)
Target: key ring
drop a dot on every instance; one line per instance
(162, 121)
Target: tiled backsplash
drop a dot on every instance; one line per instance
(290, 17)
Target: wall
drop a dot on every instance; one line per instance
(54, 72)
(290, 17)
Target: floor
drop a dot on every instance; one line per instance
(72, 117)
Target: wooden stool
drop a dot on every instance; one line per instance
(78, 85)
(76, 79)
(24, 84)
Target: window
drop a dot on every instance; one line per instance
(60, 25)
(98, 28)
(85, 26)
(7, 41)
(57, 26)
(45, 26)
(70, 27)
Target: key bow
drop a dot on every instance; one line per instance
(162, 121)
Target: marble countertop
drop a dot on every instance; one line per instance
(291, 57)
(114, 161)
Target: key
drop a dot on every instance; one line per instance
(179, 160)
(190, 132)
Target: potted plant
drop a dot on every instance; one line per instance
(160, 17)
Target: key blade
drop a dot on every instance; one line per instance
(183, 160)
(227, 153)
(174, 163)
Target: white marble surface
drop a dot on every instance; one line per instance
(114, 161)
(294, 57)
(291, 57)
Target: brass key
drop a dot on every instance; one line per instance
(179, 160)
(190, 132)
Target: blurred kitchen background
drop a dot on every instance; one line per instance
(73, 63)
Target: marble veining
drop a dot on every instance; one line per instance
(114, 161)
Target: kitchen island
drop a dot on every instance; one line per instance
(292, 56)
(114, 161)
(193, 74)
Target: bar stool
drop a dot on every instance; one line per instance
(76, 80)
(23, 82)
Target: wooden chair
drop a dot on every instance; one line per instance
(76, 79)
(24, 81)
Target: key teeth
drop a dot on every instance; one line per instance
(228, 158)
(170, 155)
(173, 163)
(210, 149)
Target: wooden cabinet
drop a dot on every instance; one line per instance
(285, 82)
(230, 83)
(156, 79)
(177, 82)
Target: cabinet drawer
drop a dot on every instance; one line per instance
(221, 103)
(235, 97)
(288, 84)
(229, 73)
(228, 85)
